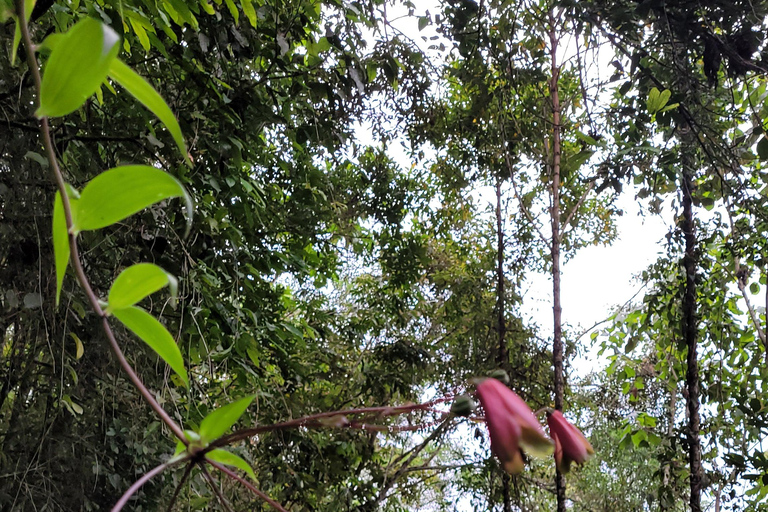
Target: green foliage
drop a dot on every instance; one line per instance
(60, 243)
(154, 334)
(230, 459)
(323, 274)
(136, 282)
(218, 422)
(120, 192)
(76, 67)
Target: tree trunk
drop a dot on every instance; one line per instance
(690, 332)
(557, 311)
(502, 354)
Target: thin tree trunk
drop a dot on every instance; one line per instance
(502, 354)
(690, 333)
(557, 311)
(667, 465)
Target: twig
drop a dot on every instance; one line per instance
(387, 485)
(141, 481)
(575, 209)
(45, 133)
(216, 490)
(183, 480)
(248, 485)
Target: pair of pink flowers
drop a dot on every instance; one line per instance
(512, 426)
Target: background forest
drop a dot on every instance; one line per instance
(375, 185)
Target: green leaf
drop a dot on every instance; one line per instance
(653, 99)
(79, 349)
(233, 10)
(51, 42)
(249, 12)
(77, 66)
(230, 459)
(423, 22)
(122, 191)
(135, 283)
(149, 97)
(657, 100)
(219, 421)
(762, 148)
(60, 243)
(154, 334)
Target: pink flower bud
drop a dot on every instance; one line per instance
(511, 425)
(570, 443)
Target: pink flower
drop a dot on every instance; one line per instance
(570, 443)
(511, 425)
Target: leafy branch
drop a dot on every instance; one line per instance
(71, 234)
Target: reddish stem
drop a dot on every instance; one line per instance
(45, 132)
(248, 485)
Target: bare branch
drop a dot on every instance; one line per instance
(215, 488)
(575, 209)
(141, 481)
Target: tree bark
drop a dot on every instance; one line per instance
(690, 332)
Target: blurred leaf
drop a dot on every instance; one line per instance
(230, 459)
(136, 282)
(76, 67)
(122, 191)
(78, 345)
(154, 334)
(221, 420)
(762, 148)
(60, 243)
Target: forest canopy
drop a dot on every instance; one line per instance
(278, 255)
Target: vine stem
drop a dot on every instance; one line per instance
(45, 133)
(146, 477)
(315, 420)
(248, 485)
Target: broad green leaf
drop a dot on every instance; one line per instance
(230, 459)
(141, 34)
(664, 97)
(135, 283)
(154, 334)
(219, 421)
(60, 243)
(233, 10)
(149, 97)
(122, 191)
(652, 102)
(51, 42)
(657, 100)
(77, 66)
(249, 12)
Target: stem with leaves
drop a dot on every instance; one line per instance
(45, 134)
